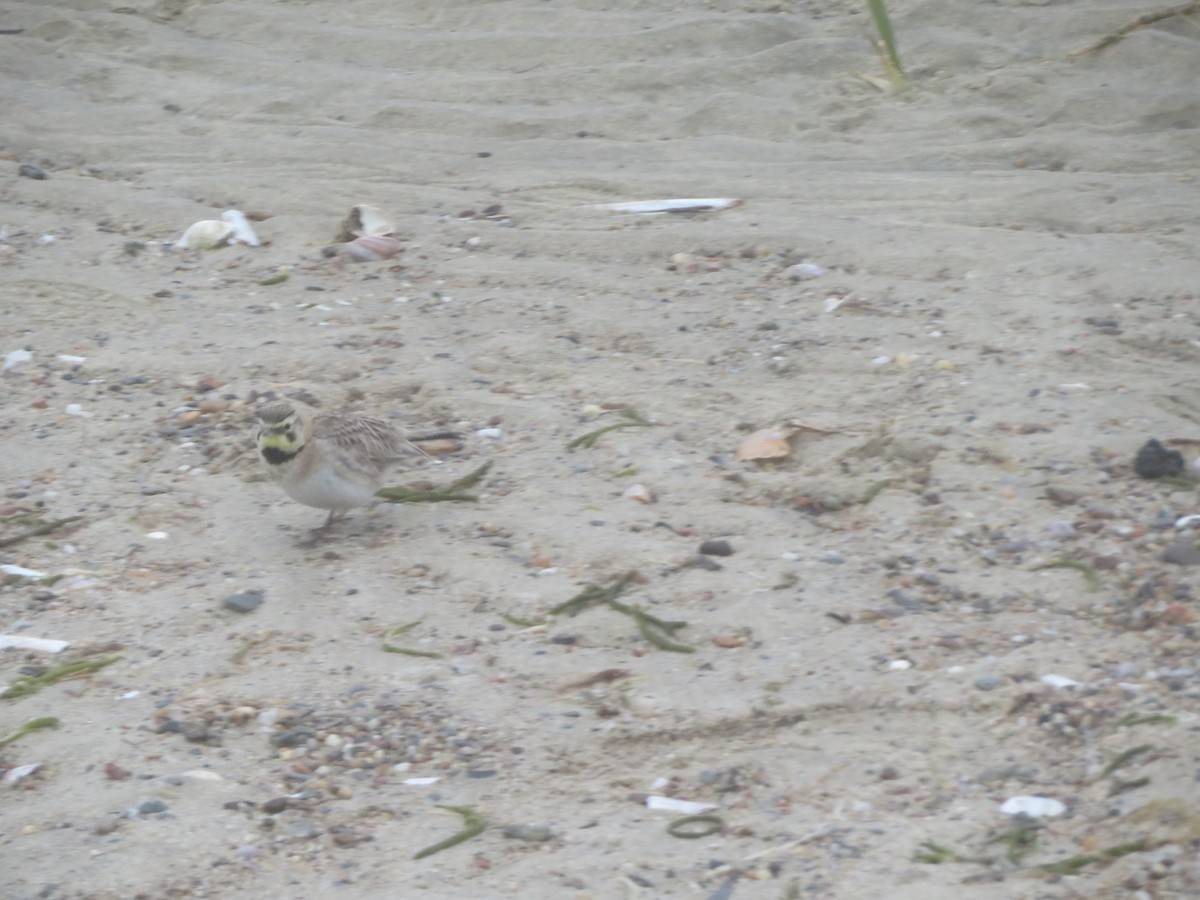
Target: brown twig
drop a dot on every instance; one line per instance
(1140, 22)
(44, 528)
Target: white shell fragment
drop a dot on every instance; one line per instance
(1059, 681)
(202, 775)
(17, 773)
(419, 782)
(669, 206)
(365, 220)
(372, 248)
(639, 492)
(804, 271)
(16, 358)
(1034, 807)
(207, 234)
(683, 807)
(21, 642)
(21, 571)
(242, 232)
(766, 443)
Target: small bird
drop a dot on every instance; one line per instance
(333, 462)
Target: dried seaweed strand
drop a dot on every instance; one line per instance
(474, 825)
(30, 726)
(652, 628)
(1125, 757)
(408, 651)
(1119, 787)
(587, 441)
(876, 489)
(1018, 842)
(1140, 22)
(1075, 863)
(31, 684)
(450, 493)
(517, 620)
(682, 828)
(594, 594)
(1151, 719)
(43, 528)
(934, 853)
(657, 631)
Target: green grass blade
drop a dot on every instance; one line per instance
(883, 24)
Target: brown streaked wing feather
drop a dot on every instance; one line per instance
(380, 441)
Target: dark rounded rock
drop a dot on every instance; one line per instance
(1156, 461)
(716, 547)
(243, 603)
(531, 833)
(293, 738)
(28, 171)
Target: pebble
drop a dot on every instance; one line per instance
(804, 271)
(150, 807)
(1062, 496)
(28, 171)
(1183, 552)
(1154, 460)
(531, 833)
(1035, 807)
(1059, 681)
(243, 603)
(988, 683)
(906, 600)
(301, 831)
(716, 547)
(106, 825)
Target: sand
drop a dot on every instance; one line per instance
(999, 309)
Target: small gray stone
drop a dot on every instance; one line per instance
(988, 682)
(531, 833)
(1183, 552)
(716, 547)
(301, 830)
(903, 598)
(28, 171)
(106, 825)
(243, 603)
(292, 738)
(150, 807)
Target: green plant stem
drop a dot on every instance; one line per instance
(474, 826)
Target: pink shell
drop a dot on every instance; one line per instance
(372, 248)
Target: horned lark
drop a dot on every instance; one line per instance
(333, 462)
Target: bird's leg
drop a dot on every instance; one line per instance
(318, 534)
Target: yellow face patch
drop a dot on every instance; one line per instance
(278, 440)
(278, 444)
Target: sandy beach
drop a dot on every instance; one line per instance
(951, 315)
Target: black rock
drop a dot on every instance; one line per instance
(1156, 461)
(716, 547)
(28, 171)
